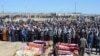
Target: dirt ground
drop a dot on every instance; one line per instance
(9, 48)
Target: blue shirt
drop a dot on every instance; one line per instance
(90, 38)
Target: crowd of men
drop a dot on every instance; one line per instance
(58, 31)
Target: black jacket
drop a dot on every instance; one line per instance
(98, 41)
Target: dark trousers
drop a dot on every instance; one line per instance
(0, 36)
(81, 51)
(16, 37)
(42, 38)
(55, 39)
(63, 36)
(13, 39)
(46, 37)
(24, 38)
(32, 38)
(60, 39)
(55, 50)
(50, 37)
(97, 49)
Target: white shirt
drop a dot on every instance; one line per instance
(59, 31)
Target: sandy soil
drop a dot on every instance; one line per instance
(9, 48)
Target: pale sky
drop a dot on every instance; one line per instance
(64, 6)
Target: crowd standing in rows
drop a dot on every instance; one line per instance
(58, 31)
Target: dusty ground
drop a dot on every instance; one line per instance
(9, 48)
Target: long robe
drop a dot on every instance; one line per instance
(4, 34)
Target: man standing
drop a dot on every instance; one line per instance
(42, 34)
(82, 45)
(98, 44)
(50, 32)
(24, 35)
(69, 35)
(16, 34)
(13, 38)
(4, 34)
(59, 35)
(90, 41)
(32, 33)
(64, 33)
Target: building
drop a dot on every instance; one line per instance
(47, 16)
